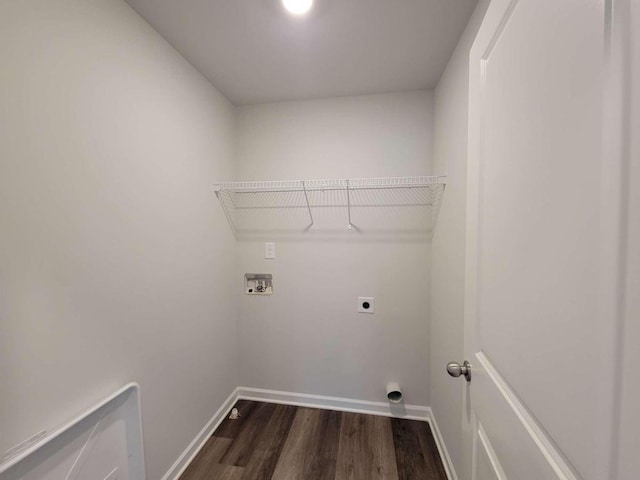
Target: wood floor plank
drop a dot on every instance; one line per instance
(263, 462)
(366, 450)
(230, 428)
(284, 442)
(207, 459)
(294, 452)
(430, 451)
(225, 472)
(243, 446)
(410, 457)
(323, 462)
(310, 452)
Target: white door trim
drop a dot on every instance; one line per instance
(557, 461)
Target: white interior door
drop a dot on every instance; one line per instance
(544, 226)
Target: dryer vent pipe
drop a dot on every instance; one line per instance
(394, 394)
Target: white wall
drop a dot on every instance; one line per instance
(307, 337)
(448, 259)
(114, 258)
(628, 460)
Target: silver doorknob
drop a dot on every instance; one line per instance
(455, 369)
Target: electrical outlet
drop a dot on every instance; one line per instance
(366, 305)
(113, 475)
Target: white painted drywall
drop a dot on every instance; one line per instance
(629, 436)
(308, 337)
(448, 247)
(115, 262)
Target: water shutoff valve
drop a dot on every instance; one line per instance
(258, 283)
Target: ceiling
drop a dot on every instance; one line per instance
(255, 52)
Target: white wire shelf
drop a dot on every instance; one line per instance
(398, 203)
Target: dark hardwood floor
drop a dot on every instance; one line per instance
(281, 442)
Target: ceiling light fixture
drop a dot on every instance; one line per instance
(297, 7)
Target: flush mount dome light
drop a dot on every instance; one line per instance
(297, 7)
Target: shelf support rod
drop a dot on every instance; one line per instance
(306, 197)
(349, 226)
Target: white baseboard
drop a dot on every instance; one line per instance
(410, 412)
(442, 448)
(183, 461)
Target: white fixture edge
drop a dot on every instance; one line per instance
(189, 454)
(414, 412)
(48, 437)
